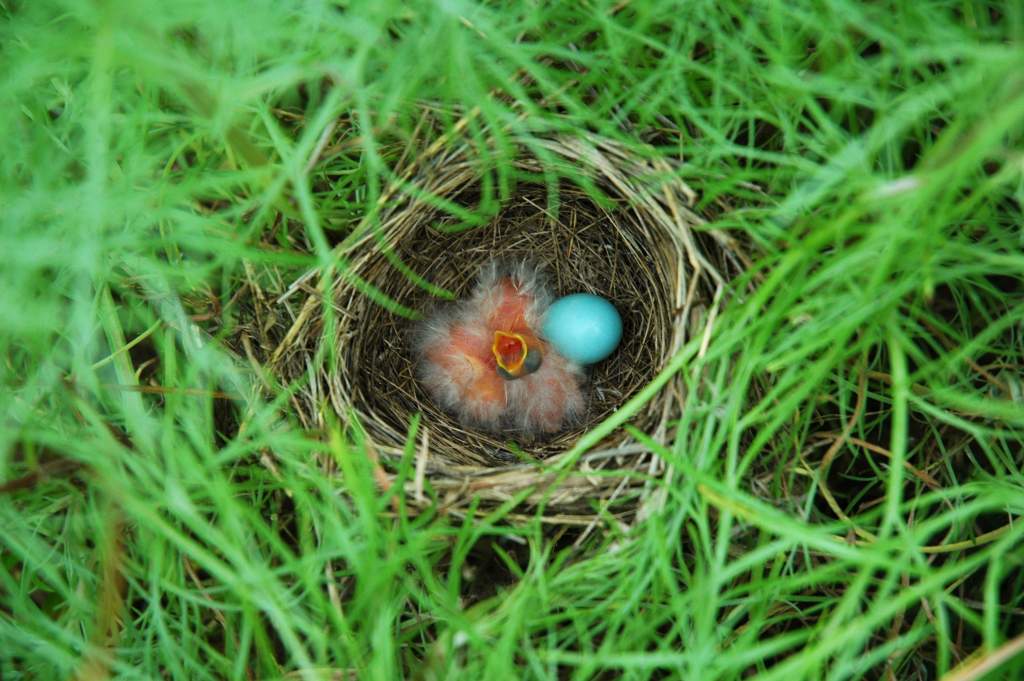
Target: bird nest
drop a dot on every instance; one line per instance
(624, 227)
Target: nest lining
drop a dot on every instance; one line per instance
(642, 249)
(580, 251)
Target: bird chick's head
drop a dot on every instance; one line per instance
(516, 355)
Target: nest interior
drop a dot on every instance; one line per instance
(583, 248)
(641, 245)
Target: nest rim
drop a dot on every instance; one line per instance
(646, 209)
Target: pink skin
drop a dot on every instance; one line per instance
(460, 373)
(548, 399)
(459, 370)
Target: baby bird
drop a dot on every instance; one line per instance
(485, 362)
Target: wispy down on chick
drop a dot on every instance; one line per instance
(483, 359)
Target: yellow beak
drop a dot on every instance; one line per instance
(515, 355)
(510, 352)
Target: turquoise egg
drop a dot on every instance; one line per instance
(582, 327)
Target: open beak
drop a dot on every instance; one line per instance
(514, 355)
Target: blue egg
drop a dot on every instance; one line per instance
(582, 327)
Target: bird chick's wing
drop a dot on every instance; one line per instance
(456, 368)
(549, 399)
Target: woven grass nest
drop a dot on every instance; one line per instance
(641, 245)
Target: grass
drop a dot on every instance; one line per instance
(859, 518)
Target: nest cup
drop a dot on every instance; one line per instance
(641, 245)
